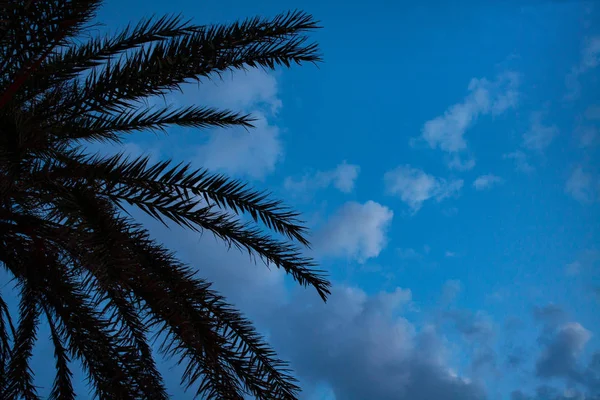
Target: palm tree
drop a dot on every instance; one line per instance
(79, 261)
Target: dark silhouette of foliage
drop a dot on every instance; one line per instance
(79, 261)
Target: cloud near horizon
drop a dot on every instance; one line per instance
(363, 348)
(358, 345)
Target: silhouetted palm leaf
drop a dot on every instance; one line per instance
(80, 261)
(63, 386)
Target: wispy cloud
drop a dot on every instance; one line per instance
(582, 185)
(413, 186)
(485, 97)
(356, 231)
(342, 177)
(485, 182)
(590, 59)
(536, 139)
(521, 161)
(460, 163)
(539, 136)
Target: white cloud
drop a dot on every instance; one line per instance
(562, 347)
(539, 136)
(364, 348)
(253, 88)
(447, 131)
(521, 161)
(356, 231)
(344, 177)
(485, 182)
(359, 345)
(414, 186)
(341, 177)
(254, 152)
(457, 163)
(559, 357)
(590, 59)
(580, 185)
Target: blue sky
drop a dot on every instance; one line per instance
(445, 158)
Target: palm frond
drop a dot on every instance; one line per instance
(7, 328)
(125, 315)
(193, 213)
(187, 213)
(182, 181)
(151, 71)
(111, 127)
(102, 282)
(200, 330)
(36, 28)
(120, 308)
(92, 339)
(210, 328)
(68, 62)
(7, 334)
(76, 58)
(62, 389)
(196, 320)
(251, 358)
(19, 373)
(117, 311)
